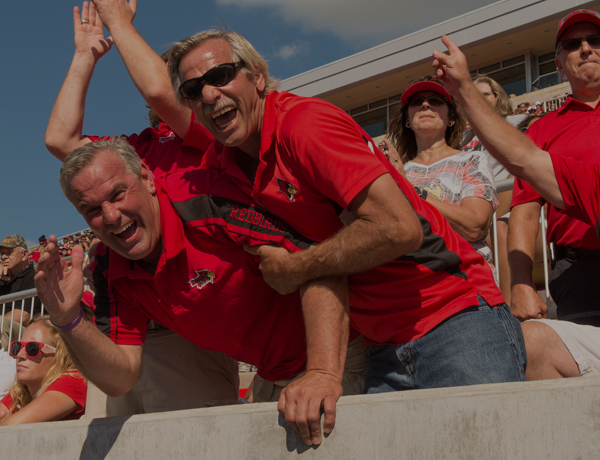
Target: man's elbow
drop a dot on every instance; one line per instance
(55, 145)
(475, 233)
(408, 237)
(116, 389)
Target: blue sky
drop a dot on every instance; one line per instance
(37, 36)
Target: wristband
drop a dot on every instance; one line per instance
(71, 325)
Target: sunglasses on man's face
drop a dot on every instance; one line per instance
(32, 349)
(217, 76)
(433, 100)
(572, 44)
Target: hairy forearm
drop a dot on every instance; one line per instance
(357, 248)
(522, 233)
(325, 306)
(107, 365)
(149, 74)
(65, 127)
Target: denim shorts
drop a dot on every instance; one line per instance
(480, 344)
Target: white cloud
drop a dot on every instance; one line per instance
(371, 21)
(289, 51)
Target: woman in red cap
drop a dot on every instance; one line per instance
(426, 132)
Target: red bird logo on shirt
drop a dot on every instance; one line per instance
(203, 277)
(288, 189)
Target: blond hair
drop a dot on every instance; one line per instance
(61, 364)
(242, 51)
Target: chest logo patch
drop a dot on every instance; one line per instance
(167, 138)
(289, 189)
(203, 277)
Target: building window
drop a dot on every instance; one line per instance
(511, 74)
(375, 117)
(547, 64)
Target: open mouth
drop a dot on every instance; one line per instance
(127, 230)
(224, 117)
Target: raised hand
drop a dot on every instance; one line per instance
(89, 36)
(59, 287)
(452, 69)
(115, 12)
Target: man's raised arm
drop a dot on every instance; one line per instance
(65, 127)
(112, 368)
(513, 149)
(146, 68)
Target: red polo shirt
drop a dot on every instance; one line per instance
(314, 160)
(571, 131)
(579, 184)
(163, 151)
(206, 287)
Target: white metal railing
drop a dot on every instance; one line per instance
(552, 104)
(548, 80)
(504, 186)
(7, 305)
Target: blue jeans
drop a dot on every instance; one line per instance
(480, 344)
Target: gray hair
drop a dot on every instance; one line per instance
(83, 156)
(241, 51)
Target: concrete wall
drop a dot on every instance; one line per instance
(530, 420)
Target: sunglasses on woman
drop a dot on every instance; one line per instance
(217, 76)
(32, 349)
(433, 100)
(572, 44)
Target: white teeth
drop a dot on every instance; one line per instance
(124, 227)
(221, 112)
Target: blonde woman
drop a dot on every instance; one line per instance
(47, 386)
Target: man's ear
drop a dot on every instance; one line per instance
(147, 179)
(260, 82)
(559, 66)
(25, 255)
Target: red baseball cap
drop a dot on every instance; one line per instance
(421, 86)
(574, 18)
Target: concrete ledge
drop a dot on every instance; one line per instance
(531, 420)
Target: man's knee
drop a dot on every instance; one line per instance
(547, 355)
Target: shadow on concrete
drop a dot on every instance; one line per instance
(101, 436)
(293, 441)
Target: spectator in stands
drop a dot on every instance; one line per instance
(338, 167)
(39, 250)
(16, 275)
(426, 131)
(569, 131)
(555, 349)
(197, 377)
(47, 386)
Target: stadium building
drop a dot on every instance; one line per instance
(511, 41)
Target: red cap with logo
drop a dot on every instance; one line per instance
(425, 85)
(575, 17)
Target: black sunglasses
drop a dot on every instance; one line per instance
(32, 349)
(217, 76)
(433, 100)
(572, 44)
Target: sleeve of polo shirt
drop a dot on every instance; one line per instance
(522, 191)
(115, 316)
(198, 136)
(578, 182)
(330, 150)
